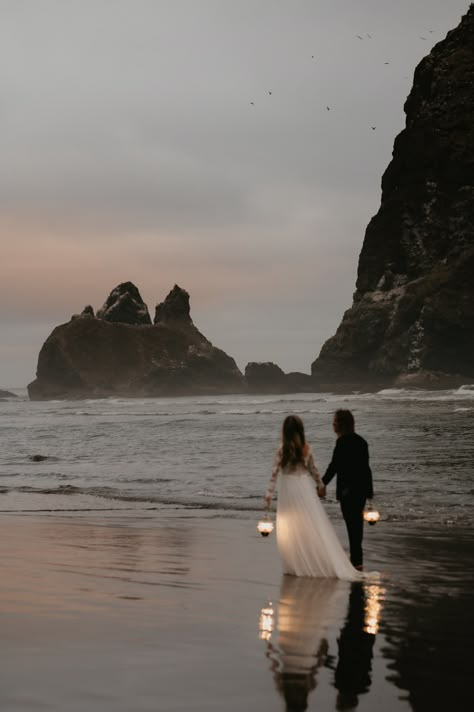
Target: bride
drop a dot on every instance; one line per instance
(306, 540)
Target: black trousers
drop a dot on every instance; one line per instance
(353, 511)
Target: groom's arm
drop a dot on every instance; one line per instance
(332, 467)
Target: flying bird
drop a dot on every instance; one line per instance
(373, 128)
(386, 62)
(270, 93)
(361, 38)
(327, 107)
(252, 103)
(423, 38)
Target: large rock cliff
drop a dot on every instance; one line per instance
(120, 353)
(412, 319)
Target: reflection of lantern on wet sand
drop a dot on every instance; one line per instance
(371, 515)
(373, 607)
(265, 526)
(266, 622)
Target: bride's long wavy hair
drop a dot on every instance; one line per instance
(293, 441)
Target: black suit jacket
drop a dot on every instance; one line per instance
(350, 461)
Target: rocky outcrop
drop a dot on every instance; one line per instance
(124, 305)
(412, 319)
(87, 312)
(102, 356)
(297, 382)
(267, 377)
(7, 394)
(264, 377)
(175, 309)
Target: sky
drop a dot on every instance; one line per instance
(223, 146)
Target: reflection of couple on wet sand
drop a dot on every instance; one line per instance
(309, 610)
(306, 539)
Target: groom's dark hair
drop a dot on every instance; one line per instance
(343, 422)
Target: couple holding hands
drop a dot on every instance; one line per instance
(306, 539)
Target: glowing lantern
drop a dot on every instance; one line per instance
(265, 526)
(371, 515)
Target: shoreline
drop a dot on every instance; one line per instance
(428, 382)
(408, 386)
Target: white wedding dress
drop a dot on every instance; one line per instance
(306, 539)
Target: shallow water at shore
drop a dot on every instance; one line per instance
(216, 453)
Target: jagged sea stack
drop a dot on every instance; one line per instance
(119, 352)
(124, 305)
(412, 319)
(175, 309)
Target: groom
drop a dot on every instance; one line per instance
(350, 461)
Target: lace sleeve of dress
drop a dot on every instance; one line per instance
(275, 468)
(312, 469)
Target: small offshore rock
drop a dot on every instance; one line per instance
(264, 375)
(267, 377)
(7, 394)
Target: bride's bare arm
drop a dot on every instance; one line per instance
(271, 484)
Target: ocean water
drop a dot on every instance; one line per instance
(215, 453)
(142, 567)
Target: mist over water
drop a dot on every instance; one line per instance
(215, 453)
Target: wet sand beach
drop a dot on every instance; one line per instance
(174, 610)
